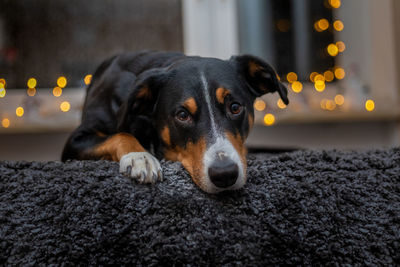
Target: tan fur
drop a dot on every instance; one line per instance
(165, 136)
(238, 143)
(191, 158)
(190, 105)
(221, 93)
(116, 146)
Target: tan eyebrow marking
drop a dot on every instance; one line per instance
(221, 93)
(190, 104)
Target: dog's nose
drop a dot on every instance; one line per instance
(223, 172)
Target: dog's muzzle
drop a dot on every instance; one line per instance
(223, 172)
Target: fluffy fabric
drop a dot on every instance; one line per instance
(305, 207)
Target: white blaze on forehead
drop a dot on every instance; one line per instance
(208, 101)
(220, 145)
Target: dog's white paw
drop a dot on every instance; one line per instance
(141, 166)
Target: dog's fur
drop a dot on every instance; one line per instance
(199, 111)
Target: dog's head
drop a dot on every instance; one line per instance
(202, 110)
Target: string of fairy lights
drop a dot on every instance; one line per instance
(57, 91)
(319, 80)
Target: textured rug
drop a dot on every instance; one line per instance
(305, 207)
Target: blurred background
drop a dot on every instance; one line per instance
(339, 58)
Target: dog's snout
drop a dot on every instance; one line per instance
(223, 172)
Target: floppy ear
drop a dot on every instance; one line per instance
(260, 76)
(142, 99)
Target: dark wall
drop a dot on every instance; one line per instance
(46, 38)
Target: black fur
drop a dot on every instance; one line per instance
(112, 104)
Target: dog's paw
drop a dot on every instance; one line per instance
(141, 166)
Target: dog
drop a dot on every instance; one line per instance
(144, 106)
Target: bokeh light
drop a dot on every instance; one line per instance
(280, 104)
(2, 92)
(259, 105)
(19, 111)
(339, 99)
(88, 79)
(269, 119)
(341, 46)
(297, 86)
(5, 123)
(319, 77)
(369, 105)
(31, 91)
(312, 76)
(335, 3)
(338, 25)
(333, 50)
(62, 81)
(330, 105)
(65, 106)
(329, 76)
(319, 86)
(57, 91)
(340, 73)
(31, 83)
(291, 77)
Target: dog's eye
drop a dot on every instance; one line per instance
(182, 115)
(235, 108)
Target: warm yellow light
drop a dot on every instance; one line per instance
(335, 3)
(291, 77)
(333, 50)
(31, 83)
(88, 79)
(319, 77)
(65, 106)
(259, 105)
(2, 92)
(297, 87)
(269, 119)
(5, 123)
(316, 27)
(339, 99)
(341, 46)
(319, 86)
(338, 25)
(323, 103)
(62, 81)
(57, 91)
(31, 91)
(19, 111)
(323, 24)
(340, 73)
(330, 105)
(312, 76)
(329, 76)
(280, 104)
(370, 105)
(2, 83)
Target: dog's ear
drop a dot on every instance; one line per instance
(142, 99)
(260, 76)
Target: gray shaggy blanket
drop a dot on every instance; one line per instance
(304, 207)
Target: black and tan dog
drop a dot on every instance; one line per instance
(199, 111)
